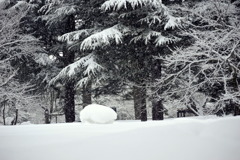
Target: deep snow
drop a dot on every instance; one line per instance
(172, 139)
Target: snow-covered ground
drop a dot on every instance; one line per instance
(172, 139)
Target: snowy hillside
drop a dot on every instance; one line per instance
(172, 139)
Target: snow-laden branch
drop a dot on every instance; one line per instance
(75, 35)
(102, 38)
(172, 22)
(122, 4)
(85, 66)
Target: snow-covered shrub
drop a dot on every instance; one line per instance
(125, 114)
(99, 114)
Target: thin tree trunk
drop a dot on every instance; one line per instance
(52, 100)
(46, 115)
(87, 94)
(69, 105)
(157, 110)
(137, 109)
(235, 106)
(16, 117)
(140, 107)
(4, 121)
(157, 105)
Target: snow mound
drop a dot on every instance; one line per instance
(26, 123)
(95, 113)
(8, 120)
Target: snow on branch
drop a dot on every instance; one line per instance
(53, 10)
(102, 38)
(151, 19)
(86, 65)
(146, 36)
(92, 67)
(66, 10)
(75, 35)
(162, 40)
(122, 4)
(23, 6)
(172, 22)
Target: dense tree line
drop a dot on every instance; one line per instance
(164, 51)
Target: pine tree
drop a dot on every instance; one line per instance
(80, 19)
(143, 25)
(58, 17)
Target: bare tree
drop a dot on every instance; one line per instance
(211, 64)
(13, 46)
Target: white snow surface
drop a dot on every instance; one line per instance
(172, 139)
(99, 114)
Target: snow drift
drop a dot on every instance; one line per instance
(95, 113)
(172, 139)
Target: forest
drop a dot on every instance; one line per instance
(160, 58)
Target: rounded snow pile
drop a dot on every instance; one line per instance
(95, 113)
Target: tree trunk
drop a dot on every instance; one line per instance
(69, 105)
(140, 108)
(46, 115)
(87, 94)
(52, 104)
(235, 106)
(14, 122)
(157, 110)
(157, 105)
(4, 120)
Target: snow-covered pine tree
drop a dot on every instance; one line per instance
(142, 27)
(59, 18)
(210, 66)
(77, 66)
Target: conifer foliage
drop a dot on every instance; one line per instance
(72, 22)
(139, 22)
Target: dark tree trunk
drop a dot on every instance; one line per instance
(236, 110)
(69, 103)
(70, 24)
(4, 121)
(52, 100)
(235, 106)
(140, 108)
(14, 122)
(136, 100)
(157, 110)
(87, 94)
(69, 88)
(46, 115)
(157, 105)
